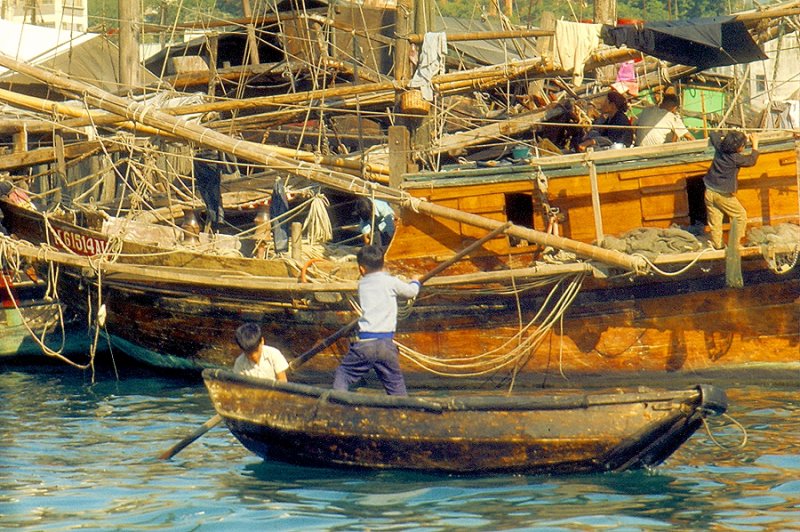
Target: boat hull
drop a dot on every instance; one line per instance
(500, 314)
(713, 331)
(566, 433)
(33, 326)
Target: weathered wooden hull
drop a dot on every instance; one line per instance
(566, 433)
(637, 187)
(467, 323)
(661, 331)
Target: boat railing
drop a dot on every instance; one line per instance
(482, 402)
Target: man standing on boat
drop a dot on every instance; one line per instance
(722, 182)
(377, 294)
(661, 124)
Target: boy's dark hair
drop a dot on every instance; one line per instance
(363, 208)
(370, 258)
(669, 101)
(248, 336)
(732, 142)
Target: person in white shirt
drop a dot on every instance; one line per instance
(258, 360)
(659, 125)
(378, 292)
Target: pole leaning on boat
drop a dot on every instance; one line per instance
(317, 348)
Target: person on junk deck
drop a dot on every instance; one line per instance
(377, 293)
(661, 124)
(722, 183)
(379, 213)
(612, 127)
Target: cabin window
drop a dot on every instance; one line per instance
(761, 83)
(519, 211)
(696, 191)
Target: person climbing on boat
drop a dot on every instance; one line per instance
(257, 359)
(381, 216)
(612, 128)
(722, 183)
(661, 124)
(377, 294)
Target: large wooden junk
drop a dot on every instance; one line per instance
(508, 309)
(554, 295)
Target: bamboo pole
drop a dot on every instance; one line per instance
(416, 38)
(377, 172)
(299, 98)
(270, 158)
(59, 109)
(252, 41)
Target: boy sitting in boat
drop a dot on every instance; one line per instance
(377, 293)
(257, 359)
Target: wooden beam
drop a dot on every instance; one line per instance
(399, 154)
(129, 65)
(48, 155)
(416, 38)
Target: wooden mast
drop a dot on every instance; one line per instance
(605, 12)
(129, 67)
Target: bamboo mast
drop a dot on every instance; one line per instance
(129, 74)
(261, 154)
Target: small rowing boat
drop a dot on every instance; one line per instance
(575, 432)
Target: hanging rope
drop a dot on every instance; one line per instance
(515, 351)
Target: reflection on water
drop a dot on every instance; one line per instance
(77, 454)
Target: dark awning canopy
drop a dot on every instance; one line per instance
(703, 43)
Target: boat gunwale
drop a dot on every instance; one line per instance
(570, 165)
(580, 400)
(198, 276)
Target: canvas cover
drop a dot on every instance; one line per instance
(88, 57)
(703, 43)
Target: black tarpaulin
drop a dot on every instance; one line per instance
(702, 43)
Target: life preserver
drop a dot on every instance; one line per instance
(305, 268)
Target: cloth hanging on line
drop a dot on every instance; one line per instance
(431, 63)
(573, 43)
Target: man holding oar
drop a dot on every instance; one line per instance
(323, 344)
(377, 294)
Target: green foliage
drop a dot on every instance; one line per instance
(104, 14)
(530, 11)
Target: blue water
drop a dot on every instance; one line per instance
(77, 454)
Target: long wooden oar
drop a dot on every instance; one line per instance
(178, 447)
(322, 345)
